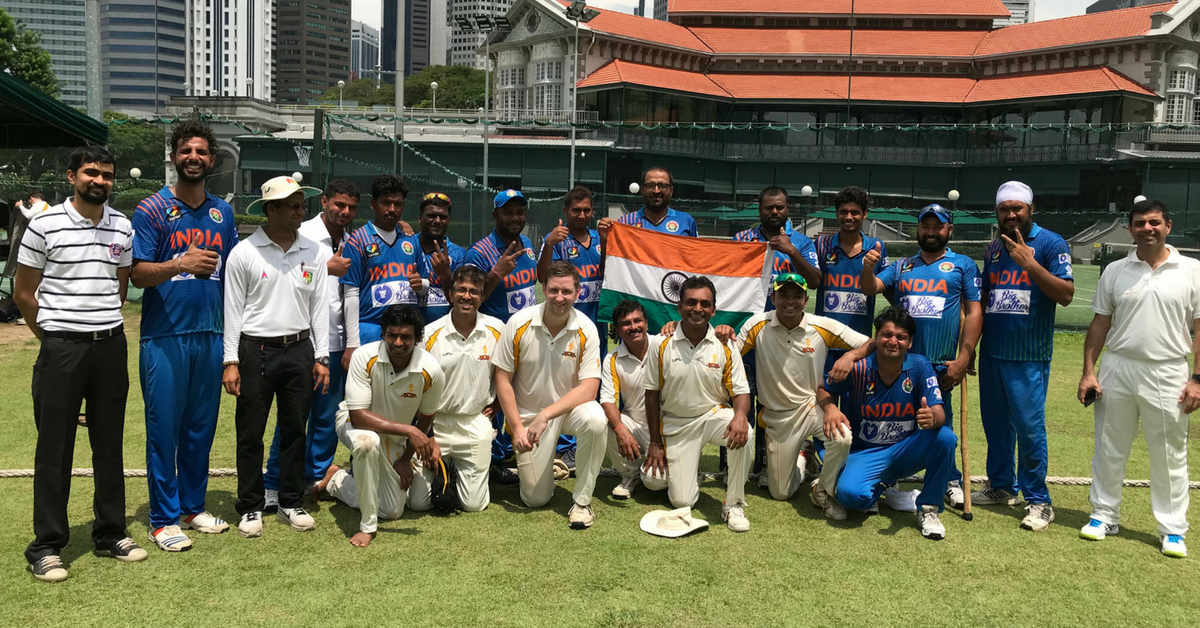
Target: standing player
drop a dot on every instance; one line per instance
(1026, 273)
(936, 287)
(656, 212)
(463, 343)
(891, 426)
(183, 238)
(339, 206)
(384, 266)
(839, 295)
(623, 397)
(1145, 305)
(392, 391)
(692, 379)
(794, 251)
(547, 375)
(442, 257)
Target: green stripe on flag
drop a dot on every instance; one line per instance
(659, 312)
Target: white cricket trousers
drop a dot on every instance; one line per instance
(536, 468)
(374, 489)
(1149, 390)
(630, 468)
(786, 433)
(837, 451)
(685, 440)
(467, 438)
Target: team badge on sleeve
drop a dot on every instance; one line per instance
(216, 216)
(1064, 258)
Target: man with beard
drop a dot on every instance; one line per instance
(339, 206)
(1026, 273)
(71, 282)
(183, 239)
(656, 212)
(384, 266)
(442, 257)
(936, 287)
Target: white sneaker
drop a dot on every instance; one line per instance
(581, 517)
(1096, 530)
(826, 502)
(989, 496)
(930, 524)
(954, 494)
(272, 500)
(204, 522)
(297, 518)
(1172, 545)
(1039, 518)
(625, 489)
(900, 501)
(735, 517)
(251, 526)
(170, 539)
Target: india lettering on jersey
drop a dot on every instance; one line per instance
(882, 415)
(585, 259)
(933, 294)
(1018, 316)
(380, 271)
(839, 296)
(519, 288)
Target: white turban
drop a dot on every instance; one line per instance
(1014, 191)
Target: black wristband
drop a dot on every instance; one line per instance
(1196, 377)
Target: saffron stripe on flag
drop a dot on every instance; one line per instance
(692, 256)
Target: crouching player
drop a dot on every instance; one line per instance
(892, 427)
(393, 388)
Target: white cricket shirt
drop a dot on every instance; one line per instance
(790, 363)
(1152, 310)
(398, 396)
(546, 367)
(693, 380)
(466, 361)
(623, 382)
(316, 231)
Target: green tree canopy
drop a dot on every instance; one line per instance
(22, 55)
(137, 145)
(459, 87)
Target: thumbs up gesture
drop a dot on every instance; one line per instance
(557, 235)
(508, 261)
(925, 415)
(873, 256)
(339, 264)
(197, 261)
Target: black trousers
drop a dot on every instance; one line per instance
(66, 373)
(280, 373)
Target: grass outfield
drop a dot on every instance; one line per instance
(511, 566)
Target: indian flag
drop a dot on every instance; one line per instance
(649, 267)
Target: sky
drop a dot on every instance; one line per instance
(368, 10)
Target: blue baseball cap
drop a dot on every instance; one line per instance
(506, 196)
(934, 209)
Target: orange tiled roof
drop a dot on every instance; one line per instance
(868, 87)
(1069, 31)
(634, 27)
(958, 8)
(810, 41)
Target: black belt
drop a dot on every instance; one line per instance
(86, 336)
(278, 340)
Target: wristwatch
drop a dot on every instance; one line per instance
(1196, 377)
(323, 361)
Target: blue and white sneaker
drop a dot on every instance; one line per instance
(1096, 530)
(204, 522)
(1172, 545)
(171, 539)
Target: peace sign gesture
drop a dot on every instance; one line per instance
(439, 260)
(1020, 252)
(508, 261)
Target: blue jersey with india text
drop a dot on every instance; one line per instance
(782, 263)
(881, 415)
(380, 270)
(933, 294)
(840, 295)
(164, 226)
(1018, 318)
(586, 259)
(519, 288)
(674, 223)
(435, 303)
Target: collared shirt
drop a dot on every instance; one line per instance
(380, 270)
(1153, 310)
(546, 367)
(434, 304)
(164, 228)
(466, 361)
(79, 262)
(839, 296)
(316, 231)
(398, 396)
(782, 263)
(585, 259)
(881, 415)
(623, 382)
(519, 288)
(693, 380)
(790, 363)
(934, 294)
(1018, 318)
(674, 222)
(271, 292)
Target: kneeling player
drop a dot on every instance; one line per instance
(389, 383)
(692, 379)
(623, 397)
(895, 428)
(547, 375)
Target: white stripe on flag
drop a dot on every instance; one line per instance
(734, 294)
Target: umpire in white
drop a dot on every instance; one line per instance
(1146, 304)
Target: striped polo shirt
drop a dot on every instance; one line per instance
(79, 262)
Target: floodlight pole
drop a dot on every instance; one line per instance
(487, 98)
(398, 156)
(574, 100)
